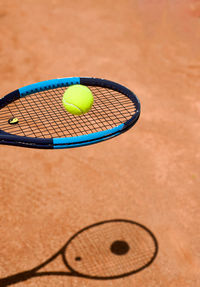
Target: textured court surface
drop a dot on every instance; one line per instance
(149, 174)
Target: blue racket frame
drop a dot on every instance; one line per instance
(67, 142)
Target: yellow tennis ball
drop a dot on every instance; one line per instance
(78, 99)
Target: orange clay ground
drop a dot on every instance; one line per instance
(149, 174)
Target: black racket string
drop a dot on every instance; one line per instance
(43, 115)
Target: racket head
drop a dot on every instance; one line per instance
(110, 249)
(42, 121)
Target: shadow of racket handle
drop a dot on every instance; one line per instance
(16, 278)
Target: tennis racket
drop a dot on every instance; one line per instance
(103, 251)
(33, 116)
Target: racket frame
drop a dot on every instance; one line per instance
(67, 142)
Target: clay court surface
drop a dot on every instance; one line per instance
(149, 174)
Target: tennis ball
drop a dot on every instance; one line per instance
(78, 99)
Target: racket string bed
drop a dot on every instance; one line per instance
(34, 116)
(42, 114)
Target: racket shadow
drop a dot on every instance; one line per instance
(103, 251)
